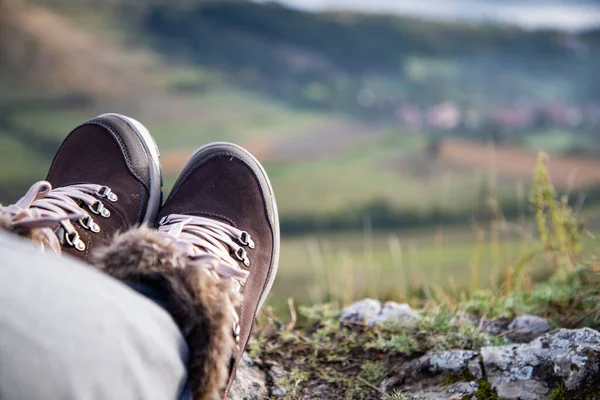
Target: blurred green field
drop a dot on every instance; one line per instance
(318, 163)
(391, 264)
(406, 266)
(556, 141)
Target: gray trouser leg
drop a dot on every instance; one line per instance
(70, 332)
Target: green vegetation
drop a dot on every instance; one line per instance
(560, 392)
(285, 84)
(304, 58)
(556, 141)
(351, 358)
(398, 396)
(485, 391)
(345, 355)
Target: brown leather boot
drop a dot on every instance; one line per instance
(105, 178)
(222, 210)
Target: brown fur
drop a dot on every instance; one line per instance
(5, 221)
(39, 236)
(199, 302)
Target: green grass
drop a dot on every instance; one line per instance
(13, 155)
(227, 115)
(20, 168)
(347, 267)
(348, 177)
(557, 141)
(345, 179)
(363, 174)
(52, 124)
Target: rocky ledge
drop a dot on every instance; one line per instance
(537, 364)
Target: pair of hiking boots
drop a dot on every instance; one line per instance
(212, 247)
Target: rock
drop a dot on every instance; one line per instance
(432, 368)
(315, 392)
(276, 372)
(495, 326)
(277, 392)
(402, 313)
(371, 311)
(365, 310)
(526, 371)
(527, 328)
(456, 391)
(250, 382)
(275, 375)
(455, 362)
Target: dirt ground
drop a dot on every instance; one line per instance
(567, 172)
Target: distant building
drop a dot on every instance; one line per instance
(564, 115)
(444, 116)
(514, 118)
(410, 117)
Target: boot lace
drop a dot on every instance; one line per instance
(44, 207)
(219, 247)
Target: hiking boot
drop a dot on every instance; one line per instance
(222, 208)
(104, 178)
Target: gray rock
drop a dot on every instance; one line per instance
(523, 372)
(276, 374)
(494, 327)
(250, 382)
(277, 392)
(402, 313)
(315, 392)
(371, 311)
(455, 362)
(365, 310)
(456, 391)
(527, 328)
(431, 369)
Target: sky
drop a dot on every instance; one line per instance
(532, 14)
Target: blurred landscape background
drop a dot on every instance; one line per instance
(400, 137)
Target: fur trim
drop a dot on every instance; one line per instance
(5, 221)
(199, 302)
(42, 237)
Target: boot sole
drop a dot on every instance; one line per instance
(213, 149)
(155, 170)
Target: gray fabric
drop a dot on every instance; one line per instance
(70, 332)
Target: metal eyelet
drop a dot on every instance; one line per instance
(99, 209)
(245, 239)
(242, 256)
(88, 223)
(236, 332)
(106, 192)
(74, 240)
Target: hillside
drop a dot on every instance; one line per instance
(324, 60)
(346, 110)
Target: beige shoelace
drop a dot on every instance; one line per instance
(219, 247)
(44, 207)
